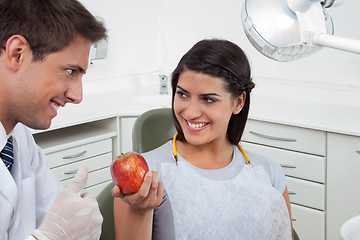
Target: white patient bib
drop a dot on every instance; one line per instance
(244, 207)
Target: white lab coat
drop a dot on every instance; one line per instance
(27, 194)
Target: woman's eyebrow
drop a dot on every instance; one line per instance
(182, 89)
(209, 94)
(202, 95)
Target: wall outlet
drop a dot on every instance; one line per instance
(164, 84)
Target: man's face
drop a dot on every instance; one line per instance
(44, 86)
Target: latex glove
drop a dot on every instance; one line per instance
(73, 216)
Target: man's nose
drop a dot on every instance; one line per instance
(75, 94)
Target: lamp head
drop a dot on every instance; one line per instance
(274, 30)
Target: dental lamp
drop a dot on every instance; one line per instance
(286, 30)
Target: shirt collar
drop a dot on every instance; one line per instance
(3, 136)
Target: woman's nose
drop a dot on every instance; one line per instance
(193, 110)
(74, 94)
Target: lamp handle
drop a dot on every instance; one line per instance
(313, 27)
(341, 43)
(332, 3)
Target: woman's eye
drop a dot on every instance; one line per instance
(181, 94)
(209, 100)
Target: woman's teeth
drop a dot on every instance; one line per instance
(54, 106)
(197, 125)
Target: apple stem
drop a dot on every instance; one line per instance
(122, 155)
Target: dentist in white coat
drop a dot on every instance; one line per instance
(44, 50)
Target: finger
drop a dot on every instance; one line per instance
(79, 181)
(160, 190)
(159, 193)
(152, 199)
(155, 180)
(115, 192)
(143, 193)
(154, 185)
(145, 187)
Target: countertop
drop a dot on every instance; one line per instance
(326, 109)
(331, 109)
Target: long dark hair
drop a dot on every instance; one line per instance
(226, 60)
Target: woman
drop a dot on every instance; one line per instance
(211, 188)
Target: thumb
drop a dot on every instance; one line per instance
(79, 181)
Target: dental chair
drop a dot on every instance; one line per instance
(106, 205)
(151, 129)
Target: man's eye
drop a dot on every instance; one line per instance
(70, 71)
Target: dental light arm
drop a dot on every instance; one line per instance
(286, 30)
(341, 43)
(313, 28)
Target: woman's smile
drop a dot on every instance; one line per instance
(196, 126)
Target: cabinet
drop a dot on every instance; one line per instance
(68, 148)
(126, 126)
(301, 153)
(343, 181)
(322, 168)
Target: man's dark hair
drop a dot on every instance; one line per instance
(47, 25)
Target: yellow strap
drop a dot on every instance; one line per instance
(175, 153)
(174, 147)
(244, 153)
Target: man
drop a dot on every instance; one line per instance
(44, 50)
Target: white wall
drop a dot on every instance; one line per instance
(133, 38)
(150, 35)
(185, 22)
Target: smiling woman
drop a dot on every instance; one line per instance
(212, 180)
(204, 109)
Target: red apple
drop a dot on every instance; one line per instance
(128, 171)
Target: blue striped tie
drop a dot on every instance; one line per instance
(7, 154)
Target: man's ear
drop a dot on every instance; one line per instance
(239, 103)
(17, 49)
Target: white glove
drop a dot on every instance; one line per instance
(73, 216)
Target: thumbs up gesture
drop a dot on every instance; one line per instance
(73, 215)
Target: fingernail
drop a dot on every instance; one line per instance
(82, 171)
(114, 193)
(149, 174)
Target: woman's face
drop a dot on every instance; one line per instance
(203, 107)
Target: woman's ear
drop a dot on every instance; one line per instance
(239, 103)
(17, 48)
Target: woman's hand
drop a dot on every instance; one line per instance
(148, 197)
(135, 211)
